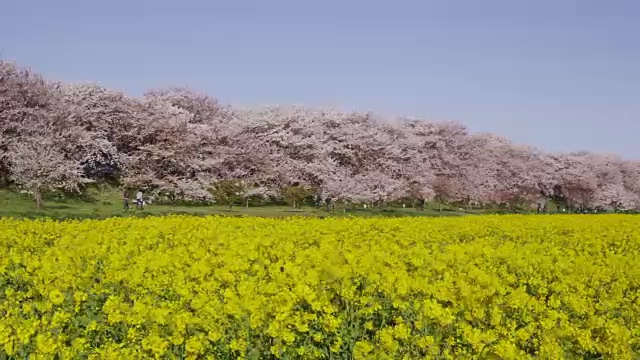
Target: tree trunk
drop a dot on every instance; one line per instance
(440, 206)
(247, 204)
(38, 197)
(230, 207)
(294, 204)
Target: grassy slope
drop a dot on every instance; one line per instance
(107, 204)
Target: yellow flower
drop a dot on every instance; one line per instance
(9, 347)
(79, 296)
(45, 344)
(453, 288)
(337, 344)
(361, 349)
(368, 325)
(155, 344)
(214, 335)
(195, 345)
(56, 297)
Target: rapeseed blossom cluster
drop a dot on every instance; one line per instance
(503, 287)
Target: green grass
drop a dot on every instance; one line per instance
(106, 203)
(103, 202)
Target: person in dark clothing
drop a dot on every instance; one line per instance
(125, 196)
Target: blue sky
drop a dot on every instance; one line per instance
(561, 74)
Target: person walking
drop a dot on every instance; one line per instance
(125, 196)
(139, 202)
(328, 202)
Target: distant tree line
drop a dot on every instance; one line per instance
(180, 145)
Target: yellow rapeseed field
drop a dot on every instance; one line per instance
(502, 287)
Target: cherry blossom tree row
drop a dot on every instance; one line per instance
(183, 145)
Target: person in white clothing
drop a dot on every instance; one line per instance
(139, 201)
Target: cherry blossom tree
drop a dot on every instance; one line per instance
(185, 190)
(446, 188)
(203, 108)
(25, 102)
(97, 125)
(611, 191)
(37, 165)
(631, 180)
(577, 182)
(179, 142)
(252, 192)
(228, 192)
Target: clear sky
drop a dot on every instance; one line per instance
(558, 74)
